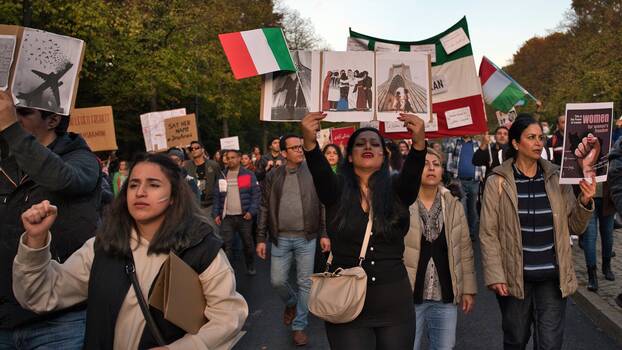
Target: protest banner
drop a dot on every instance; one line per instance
(456, 88)
(340, 136)
(48, 82)
(180, 131)
(96, 125)
(230, 143)
(587, 142)
(154, 130)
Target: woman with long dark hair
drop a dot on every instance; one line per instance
(151, 218)
(363, 184)
(333, 155)
(526, 219)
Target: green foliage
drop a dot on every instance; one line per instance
(147, 55)
(579, 63)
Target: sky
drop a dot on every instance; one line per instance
(497, 28)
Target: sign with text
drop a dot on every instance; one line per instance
(180, 131)
(587, 142)
(96, 125)
(230, 143)
(340, 136)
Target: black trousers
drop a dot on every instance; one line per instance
(543, 307)
(347, 337)
(236, 223)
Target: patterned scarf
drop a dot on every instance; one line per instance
(432, 220)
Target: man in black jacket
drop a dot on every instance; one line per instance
(291, 217)
(271, 160)
(45, 162)
(491, 155)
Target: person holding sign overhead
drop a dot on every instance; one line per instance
(363, 185)
(150, 219)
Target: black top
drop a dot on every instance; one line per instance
(384, 258)
(536, 225)
(438, 251)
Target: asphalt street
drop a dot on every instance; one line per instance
(479, 330)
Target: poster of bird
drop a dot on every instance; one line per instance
(46, 71)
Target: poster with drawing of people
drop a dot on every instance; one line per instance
(286, 99)
(587, 142)
(347, 93)
(403, 84)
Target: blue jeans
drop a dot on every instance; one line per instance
(604, 224)
(63, 332)
(303, 251)
(469, 202)
(440, 319)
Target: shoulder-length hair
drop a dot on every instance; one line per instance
(337, 150)
(388, 210)
(183, 222)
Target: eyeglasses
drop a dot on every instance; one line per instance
(295, 148)
(195, 148)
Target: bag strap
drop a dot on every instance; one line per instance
(130, 269)
(363, 252)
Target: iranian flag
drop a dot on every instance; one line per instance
(255, 52)
(457, 104)
(500, 90)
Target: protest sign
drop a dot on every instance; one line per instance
(230, 143)
(323, 137)
(587, 142)
(506, 119)
(46, 68)
(96, 125)
(455, 84)
(180, 131)
(154, 130)
(340, 136)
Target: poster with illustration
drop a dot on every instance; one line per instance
(587, 142)
(46, 72)
(403, 85)
(284, 98)
(347, 86)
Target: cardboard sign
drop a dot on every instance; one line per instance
(230, 143)
(587, 142)
(96, 125)
(340, 136)
(180, 131)
(154, 130)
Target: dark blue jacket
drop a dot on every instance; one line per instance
(250, 193)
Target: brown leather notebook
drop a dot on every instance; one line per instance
(178, 293)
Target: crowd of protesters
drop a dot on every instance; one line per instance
(84, 240)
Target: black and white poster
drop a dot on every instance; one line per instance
(46, 71)
(287, 99)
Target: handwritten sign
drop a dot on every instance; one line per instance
(458, 117)
(455, 40)
(230, 143)
(340, 136)
(96, 126)
(180, 131)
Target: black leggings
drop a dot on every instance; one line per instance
(346, 337)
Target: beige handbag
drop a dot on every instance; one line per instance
(339, 296)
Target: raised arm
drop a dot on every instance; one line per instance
(408, 181)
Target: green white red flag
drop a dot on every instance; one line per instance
(255, 52)
(500, 90)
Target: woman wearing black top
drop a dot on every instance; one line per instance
(387, 320)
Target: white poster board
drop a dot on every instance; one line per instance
(154, 130)
(230, 143)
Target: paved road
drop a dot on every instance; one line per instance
(479, 330)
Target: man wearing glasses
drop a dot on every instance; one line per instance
(206, 172)
(291, 217)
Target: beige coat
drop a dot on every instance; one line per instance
(461, 266)
(42, 285)
(500, 232)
